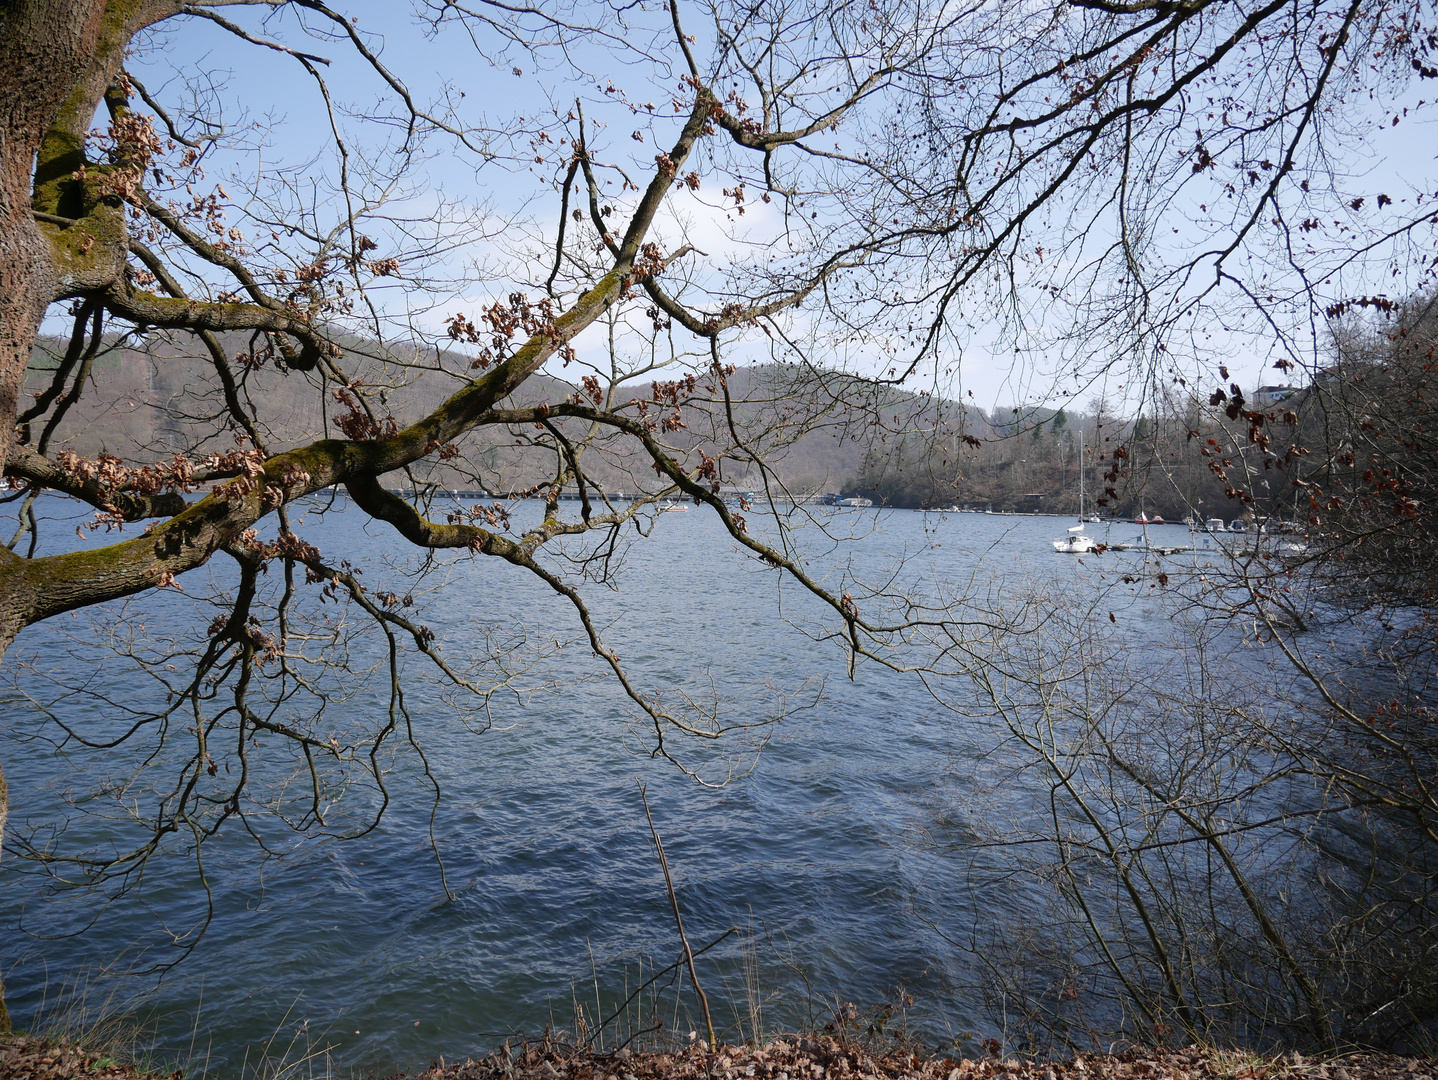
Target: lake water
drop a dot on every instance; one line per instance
(558, 897)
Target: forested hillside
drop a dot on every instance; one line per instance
(129, 408)
(1184, 456)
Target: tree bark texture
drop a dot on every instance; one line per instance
(44, 45)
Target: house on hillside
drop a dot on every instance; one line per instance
(1272, 395)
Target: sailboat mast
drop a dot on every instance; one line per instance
(1080, 479)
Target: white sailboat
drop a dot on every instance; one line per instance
(1076, 543)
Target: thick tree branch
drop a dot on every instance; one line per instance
(49, 586)
(25, 464)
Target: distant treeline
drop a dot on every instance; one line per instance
(1016, 460)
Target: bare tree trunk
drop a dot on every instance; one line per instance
(24, 276)
(44, 45)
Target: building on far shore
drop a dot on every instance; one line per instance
(1272, 395)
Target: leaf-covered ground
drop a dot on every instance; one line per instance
(26, 1058)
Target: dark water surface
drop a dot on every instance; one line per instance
(543, 837)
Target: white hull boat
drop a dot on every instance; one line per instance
(1076, 543)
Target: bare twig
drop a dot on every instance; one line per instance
(678, 919)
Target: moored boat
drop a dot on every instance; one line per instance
(1076, 543)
